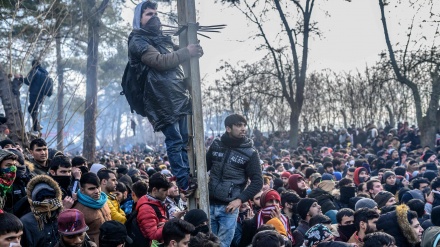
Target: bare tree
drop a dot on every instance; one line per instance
(410, 61)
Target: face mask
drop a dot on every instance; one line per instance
(347, 230)
(21, 171)
(63, 181)
(84, 169)
(7, 176)
(203, 229)
(153, 25)
(362, 179)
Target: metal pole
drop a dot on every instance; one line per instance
(187, 13)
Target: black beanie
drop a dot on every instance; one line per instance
(382, 198)
(304, 206)
(428, 155)
(6, 142)
(435, 216)
(196, 217)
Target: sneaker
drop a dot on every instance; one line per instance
(191, 188)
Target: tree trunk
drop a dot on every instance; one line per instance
(60, 95)
(11, 104)
(391, 115)
(430, 122)
(94, 26)
(294, 126)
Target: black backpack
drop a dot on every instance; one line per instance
(47, 86)
(133, 87)
(133, 230)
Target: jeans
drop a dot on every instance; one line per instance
(35, 100)
(223, 224)
(176, 140)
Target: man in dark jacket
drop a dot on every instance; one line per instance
(232, 161)
(36, 80)
(40, 225)
(166, 100)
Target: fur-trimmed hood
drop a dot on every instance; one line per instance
(43, 179)
(402, 232)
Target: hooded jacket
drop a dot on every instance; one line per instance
(148, 219)
(325, 199)
(293, 185)
(356, 178)
(155, 67)
(231, 163)
(402, 231)
(48, 236)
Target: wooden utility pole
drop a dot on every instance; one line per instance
(186, 11)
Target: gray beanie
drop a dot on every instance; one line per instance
(365, 203)
(42, 190)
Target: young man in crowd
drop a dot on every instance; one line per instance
(11, 230)
(40, 154)
(92, 202)
(108, 184)
(365, 222)
(233, 162)
(72, 229)
(306, 208)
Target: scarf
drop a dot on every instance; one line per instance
(45, 210)
(7, 177)
(90, 202)
(265, 215)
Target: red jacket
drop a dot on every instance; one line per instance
(147, 218)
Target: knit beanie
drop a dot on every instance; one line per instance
(285, 175)
(327, 176)
(435, 216)
(20, 157)
(304, 206)
(428, 155)
(337, 175)
(96, 167)
(196, 217)
(279, 227)
(386, 175)
(41, 191)
(382, 198)
(6, 142)
(430, 175)
(316, 234)
(365, 203)
(269, 195)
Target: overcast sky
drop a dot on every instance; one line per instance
(352, 34)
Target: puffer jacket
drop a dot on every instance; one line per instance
(148, 219)
(115, 209)
(165, 96)
(231, 163)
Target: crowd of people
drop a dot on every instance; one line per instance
(364, 187)
(319, 194)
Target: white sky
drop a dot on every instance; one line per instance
(352, 34)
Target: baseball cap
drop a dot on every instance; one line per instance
(113, 231)
(71, 222)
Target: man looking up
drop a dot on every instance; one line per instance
(232, 161)
(168, 102)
